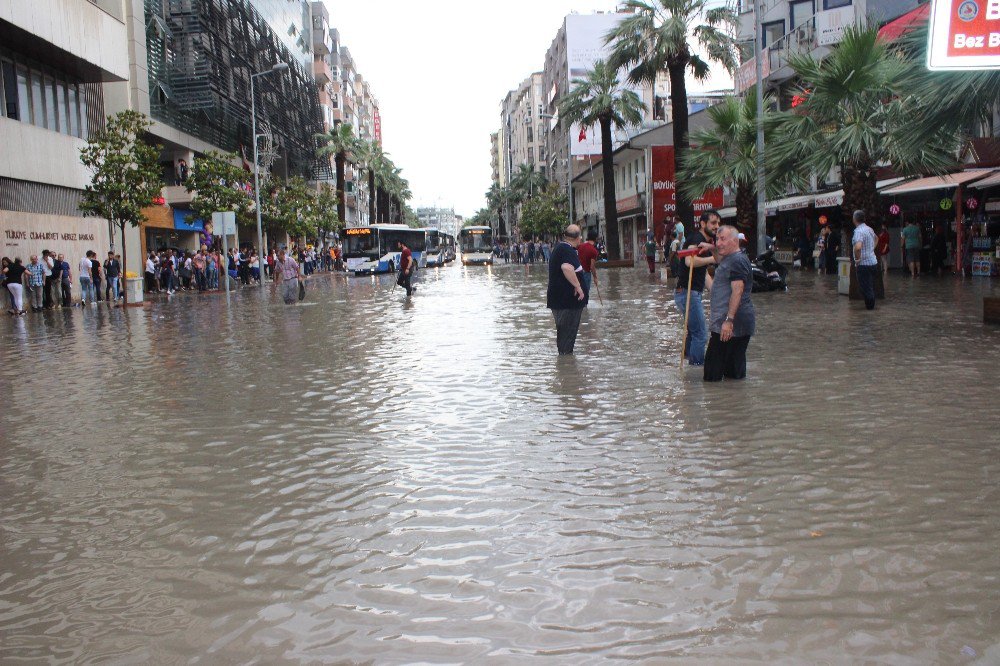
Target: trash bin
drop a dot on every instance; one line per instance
(844, 276)
(133, 290)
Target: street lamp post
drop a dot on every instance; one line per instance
(277, 67)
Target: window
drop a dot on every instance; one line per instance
(772, 32)
(800, 12)
(9, 90)
(74, 112)
(833, 4)
(61, 106)
(37, 103)
(83, 113)
(531, 135)
(50, 104)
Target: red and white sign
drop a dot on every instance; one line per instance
(746, 75)
(964, 34)
(664, 187)
(377, 122)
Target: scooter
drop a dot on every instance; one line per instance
(768, 274)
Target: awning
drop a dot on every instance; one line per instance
(727, 212)
(895, 29)
(831, 199)
(938, 182)
(790, 203)
(992, 181)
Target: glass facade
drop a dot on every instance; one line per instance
(41, 95)
(287, 19)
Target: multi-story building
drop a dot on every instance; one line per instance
(444, 219)
(522, 118)
(56, 59)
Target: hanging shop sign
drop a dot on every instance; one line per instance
(971, 203)
(665, 187)
(823, 220)
(964, 34)
(894, 209)
(829, 200)
(946, 204)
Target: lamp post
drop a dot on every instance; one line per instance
(277, 67)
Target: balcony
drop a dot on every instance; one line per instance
(322, 71)
(174, 195)
(322, 42)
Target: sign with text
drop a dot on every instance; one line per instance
(964, 34)
(664, 186)
(830, 24)
(746, 75)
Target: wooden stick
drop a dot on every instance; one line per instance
(687, 311)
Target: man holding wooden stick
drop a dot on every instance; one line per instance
(692, 279)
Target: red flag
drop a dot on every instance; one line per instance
(583, 134)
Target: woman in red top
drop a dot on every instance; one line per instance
(588, 259)
(882, 249)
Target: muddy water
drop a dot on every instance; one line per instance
(366, 478)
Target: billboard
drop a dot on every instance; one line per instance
(664, 186)
(964, 34)
(584, 46)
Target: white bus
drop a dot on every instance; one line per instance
(476, 245)
(434, 248)
(448, 247)
(372, 249)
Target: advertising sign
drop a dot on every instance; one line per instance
(830, 24)
(665, 188)
(964, 34)
(746, 75)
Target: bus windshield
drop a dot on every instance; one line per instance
(361, 242)
(477, 240)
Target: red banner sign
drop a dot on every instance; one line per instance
(964, 34)
(664, 186)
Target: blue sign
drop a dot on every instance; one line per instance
(181, 223)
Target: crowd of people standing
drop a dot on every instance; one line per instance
(47, 281)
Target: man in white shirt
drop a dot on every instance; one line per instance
(86, 281)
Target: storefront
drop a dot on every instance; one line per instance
(985, 227)
(166, 227)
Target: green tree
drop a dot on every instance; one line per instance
(370, 155)
(666, 35)
(600, 99)
(219, 184)
(545, 213)
(327, 219)
(340, 142)
(482, 218)
(856, 116)
(725, 154)
(526, 183)
(294, 209)
(125, 174)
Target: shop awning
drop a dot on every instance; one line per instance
(895, 29)
(992, 181)
(830, 199)
(938, 182)
(728, 212)
(790, 203)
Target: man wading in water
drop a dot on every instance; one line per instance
(286, 269)
(405, 268)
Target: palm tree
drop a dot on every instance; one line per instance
(600, 99)
(664, 35)
(527, 182)
(496, 202)
(339, 142)
(725, 154)
(856, 115)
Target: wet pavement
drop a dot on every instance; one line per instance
(366, 478)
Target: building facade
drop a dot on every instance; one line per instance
(443, 219)
(56, 57)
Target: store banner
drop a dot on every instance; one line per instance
(181, 222)
(664, 185)
(964, 34)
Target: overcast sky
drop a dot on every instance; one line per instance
(439, 69)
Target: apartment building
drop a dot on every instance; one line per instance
(56, 58)
(521, 118)
(444, 219)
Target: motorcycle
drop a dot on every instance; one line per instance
(768, 274)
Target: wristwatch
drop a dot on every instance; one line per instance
(728, 318)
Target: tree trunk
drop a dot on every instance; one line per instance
(746, 210)
(371, 196)
(338, 160)
(122, 280)
(679, 125)
(610, 199)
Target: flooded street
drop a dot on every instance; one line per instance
(366, 478)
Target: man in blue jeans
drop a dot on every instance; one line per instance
(697, 332)
(863, 243)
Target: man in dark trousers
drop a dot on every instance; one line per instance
(732, 319)
(566, 296)
(697, 335)
(405, 268)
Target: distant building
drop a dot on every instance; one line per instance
(443, 219)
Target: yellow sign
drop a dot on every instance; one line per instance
(357, 231)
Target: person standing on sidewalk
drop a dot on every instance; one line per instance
(733, 319)
(565, 295)
(697, 334)
(912, 242)
(288, 275)
(55, 296)
(198, 263)
(87, 279)
(113, 273)
(882, 249)
(650, 248)
(36, 283)
(863, 244)
(67, 282)
(48, 262)
(96, 276)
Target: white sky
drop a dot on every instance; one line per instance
(439, 69)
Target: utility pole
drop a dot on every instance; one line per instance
(761, 194)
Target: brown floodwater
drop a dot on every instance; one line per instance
(366, 478)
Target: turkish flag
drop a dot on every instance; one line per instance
(583, 134)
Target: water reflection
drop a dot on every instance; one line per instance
(368, 477)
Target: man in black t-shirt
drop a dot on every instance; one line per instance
(566, 296)
(697, 332)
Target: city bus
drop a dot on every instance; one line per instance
(476, 244)
(372, 249)
(448, 246)
(434, 248)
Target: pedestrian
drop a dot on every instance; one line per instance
(150, 274)
(882, 249)
(679, 233)
(939, 250)
(406, 266)
(697, 333)
(96, 276)
(48, 263)
(55, 298)
(255, 267)
(14, 280)
(587, 251)
(565, 295)
(650, 249)
(244, 266)
(87, 279)
(832, 250)
(36, 283)
(288, 275)
(732, 316)
(199, 264)
(912, 242)
(113, 273)
(819, 251)
(673, 261)
(185, 271)
(863, 242)
(168, 281)
(66, 286)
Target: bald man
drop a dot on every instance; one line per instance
(566, 296)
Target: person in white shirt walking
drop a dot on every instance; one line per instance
(288, 276)
(86, 280)
(865, 261)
